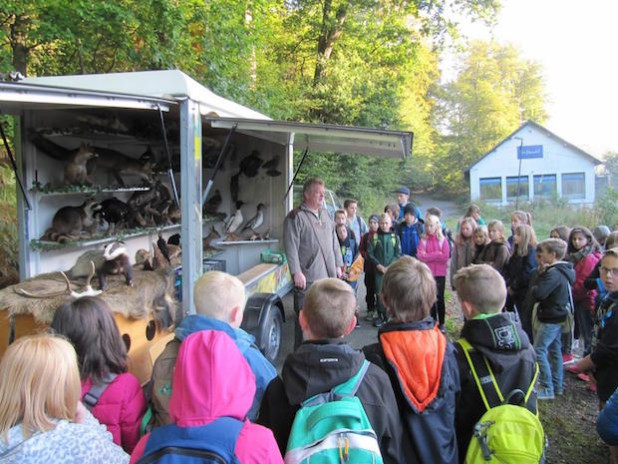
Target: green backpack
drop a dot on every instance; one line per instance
(333, 427)
(506, 433)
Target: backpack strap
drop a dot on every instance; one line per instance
(91, 398)
(491, 396)
(345, 389)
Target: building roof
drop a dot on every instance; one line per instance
(169, 84)
(537, 126)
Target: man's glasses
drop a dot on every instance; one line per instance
(613, 271)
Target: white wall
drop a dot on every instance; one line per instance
(558, 159)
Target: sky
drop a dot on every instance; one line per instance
(576, 43)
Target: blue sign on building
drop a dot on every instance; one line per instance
(530, 151)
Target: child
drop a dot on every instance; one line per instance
(349, 252)
(383, 250)
(481, 243)
(552, 292)
(464, 247)
(522, 263)
(600, 234)
(433, 250)
(219, 300)
(213, 392)
(561, 232)
(448, 233)
(603, 358)
(393, 210)
(519, 218)
(473, 212)
(411, 348)
(119, 403)
(584, 252)
(481, 293)
(497, 252)
(370, 268)
(41, 417)
(341, 218)
(324, 361)
(410, 231)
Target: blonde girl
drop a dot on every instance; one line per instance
(497, 253)
(518, 217)
(481, 242)
(522, 263)
(41, 417)
(463, 247)
(434, 250)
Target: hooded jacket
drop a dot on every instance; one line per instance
(500, 338)
(212, 379)
(435, 253)
(319, 366)
(604, 353)
(552, 292)
(462, 255)
(162, 370)
(67, 443)
(422, 368)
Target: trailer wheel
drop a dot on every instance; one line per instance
(273, 332)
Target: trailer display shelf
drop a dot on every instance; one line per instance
(83, 190)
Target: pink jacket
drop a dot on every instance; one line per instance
(583, 268)
(121, 408)
(212, 379)
(434, 253)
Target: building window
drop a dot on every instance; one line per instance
(491, 189)
(511, 188)
(574, 186)
(545, 186)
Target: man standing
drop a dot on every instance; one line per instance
(311, 246)
(356, 223)
(403, 198)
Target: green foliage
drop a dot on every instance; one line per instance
(9, 255)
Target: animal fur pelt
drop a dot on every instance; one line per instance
(152, 295)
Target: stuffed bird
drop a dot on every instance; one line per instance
(235, 220)
(256, 221)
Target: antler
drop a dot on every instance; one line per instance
(89, 291)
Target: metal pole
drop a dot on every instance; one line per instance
(521, 144)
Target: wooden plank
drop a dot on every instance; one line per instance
(256, 271)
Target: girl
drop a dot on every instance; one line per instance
(41, 417)
(497, 253)
(463, 248)
(473, 212)
(518, 218)
(89, 325)
(561, 232)
(370, 269)
(481, 243)
(522, 263)
(584, 252)
(433, 250)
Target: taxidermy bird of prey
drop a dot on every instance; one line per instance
(213, 203)
(256, 221)
(235, 220)
(161, 243)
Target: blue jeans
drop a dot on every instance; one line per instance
(548, 347)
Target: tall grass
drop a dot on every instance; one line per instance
(9, 257)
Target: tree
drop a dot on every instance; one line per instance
(495, 91)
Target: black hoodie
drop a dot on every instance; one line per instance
(506, 347)
(317, 367)
(552, 292)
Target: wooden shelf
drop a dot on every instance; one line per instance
(83, 190)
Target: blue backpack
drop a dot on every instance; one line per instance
(211, 443)
(333, 427)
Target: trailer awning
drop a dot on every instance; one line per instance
(323, 137)
(16, 97)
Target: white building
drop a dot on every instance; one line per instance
(536, 163)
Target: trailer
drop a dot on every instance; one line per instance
(201, 145)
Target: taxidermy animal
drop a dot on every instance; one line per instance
(118, 163)
(256, 221)
(271, 167)
(235, 220)
(116, 262)
(174, 240)
(162, 245)
(250, 164)
(87, 290)
(120, 214)
(70, 221)
(212, 205)
(234, 186)
(76, 171)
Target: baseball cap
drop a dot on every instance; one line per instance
(404, 190)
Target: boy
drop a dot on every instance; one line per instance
(495, 336)
(355, 222)
(602, 362)
(384, 249)
(410, 231)
(324, 361)
(341, 218)
(370, 268)
(420, 363)
(552, 292)
(219, 300)
(349, 252)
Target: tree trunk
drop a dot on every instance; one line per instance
(331, 31)
(19, 34)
